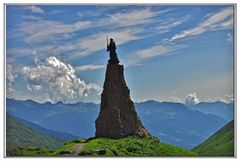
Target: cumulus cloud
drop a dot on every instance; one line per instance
(191, 99)
(34, 9)
(228, 99)
(57, 81)
(217, 21)
(10, 76)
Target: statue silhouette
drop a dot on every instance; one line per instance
(111, 47)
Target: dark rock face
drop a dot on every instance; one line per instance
(117, 117)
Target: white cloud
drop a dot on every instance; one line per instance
(229, 38)
(191, 99)
(33, 30)
(140, 100)
(151, 52)
(121, 37)
(79, 48)
(10, 76)
(13, 54)
(89, 67)
(34, 9)
(167, 25)
(31, 17)
(88, 45)
(41, 30)
(84, 46)
(228, 99)
(122, 26)
(57, 81)
(18, 52)
(133, 18)
(89, 13)
(217, 21)
(174, 99)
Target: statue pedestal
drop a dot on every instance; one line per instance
(118, 117)
(113, 59)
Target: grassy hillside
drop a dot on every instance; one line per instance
(14, 150)
(19, 134)
(129, 146)
(219, 144)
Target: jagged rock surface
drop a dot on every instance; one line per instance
(118, 117)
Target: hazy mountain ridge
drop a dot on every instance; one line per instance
(173, 123)
(48, 132)
(221, 109)
(176, 124)
(60, 117)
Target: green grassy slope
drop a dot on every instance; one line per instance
(129, 146)
(219, 144)
(14, 150)
(19, 134)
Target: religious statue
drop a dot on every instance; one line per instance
(111, 47)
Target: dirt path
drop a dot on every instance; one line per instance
(77, 148)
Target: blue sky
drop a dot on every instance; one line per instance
(170, 53)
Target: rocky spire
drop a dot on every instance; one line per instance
(118, 117)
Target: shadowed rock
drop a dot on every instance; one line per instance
(118, 117)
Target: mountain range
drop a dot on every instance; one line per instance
(176, 124)
(173, 123)
(221, 109)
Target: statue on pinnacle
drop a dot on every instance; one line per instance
(117, 117)
(111, 47)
